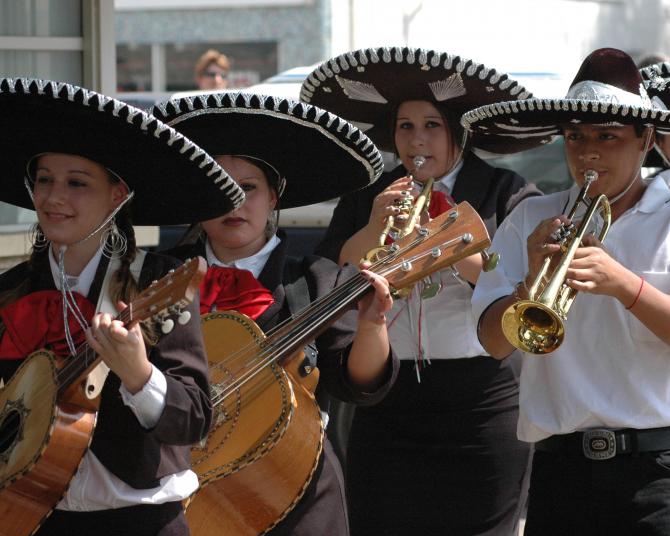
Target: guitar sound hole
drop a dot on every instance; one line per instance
(9, 430)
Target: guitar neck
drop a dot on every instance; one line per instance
(80, 365)
(315, 319)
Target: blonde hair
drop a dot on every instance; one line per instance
(209, 57)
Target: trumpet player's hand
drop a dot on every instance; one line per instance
(594, 270)
(541, 243)
(383, 205)
(373, 306)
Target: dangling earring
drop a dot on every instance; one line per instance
(114, 241)
(39, 241)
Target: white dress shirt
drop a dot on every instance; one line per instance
(611, 371)
(93, 486)
(441, 327)
(254, 264)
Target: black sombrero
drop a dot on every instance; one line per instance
(158, 163)
(367, 86)
(656, 80)
(608, 89)
(319, 155)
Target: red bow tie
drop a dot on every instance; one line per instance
(232, 289)
(439, 203)
(36, 321)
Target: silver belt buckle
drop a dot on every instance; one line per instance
(599, 444)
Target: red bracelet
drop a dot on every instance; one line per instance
(638, 294)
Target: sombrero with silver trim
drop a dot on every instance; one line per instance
(608, 89)
(366, 86)
(657, 83)
(318, 155)
(656, 79)
(159, 164)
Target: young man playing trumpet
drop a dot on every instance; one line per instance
(595, 399)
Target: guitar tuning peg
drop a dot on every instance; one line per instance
(184, 317)
(167, 325)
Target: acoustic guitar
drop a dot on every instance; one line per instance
(47, 419)
(267, 435)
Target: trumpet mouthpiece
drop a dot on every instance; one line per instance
(419, 161)
(590, 175)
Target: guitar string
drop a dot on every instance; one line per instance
(341, 289)
(273, 352)
(260, 387)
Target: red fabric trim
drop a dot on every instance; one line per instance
(231, 289)
(35, 321)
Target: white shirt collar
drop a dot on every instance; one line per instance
(81, 283)
(449, 179)
(254, 264)
(656, 194)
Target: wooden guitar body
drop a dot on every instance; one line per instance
(48, 411)
(42, 445)
(266, 437)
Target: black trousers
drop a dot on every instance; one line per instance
(440, 457)
(143, 520)
(625, 495)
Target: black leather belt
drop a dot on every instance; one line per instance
(603, 444)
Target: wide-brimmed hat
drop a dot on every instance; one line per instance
(656, 79)
(159, 164)
(318, 155)
(608, 89)
(367, 86)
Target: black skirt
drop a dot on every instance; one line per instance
(142, 520)
(441, 456)
(322, 509)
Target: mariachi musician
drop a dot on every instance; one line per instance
(287, 154)
(439, 455)
(595, 386)
(77, 158)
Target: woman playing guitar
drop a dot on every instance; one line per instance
(84, 156)
(286, 154)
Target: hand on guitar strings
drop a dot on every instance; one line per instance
(373, 306)
(122, 349)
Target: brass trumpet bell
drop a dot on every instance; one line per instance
(534, 327)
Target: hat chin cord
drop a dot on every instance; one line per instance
(69, 302)
(647, 146)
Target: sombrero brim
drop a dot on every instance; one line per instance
(158, 163)
(513, 126)
(367, 86)
(319, 155)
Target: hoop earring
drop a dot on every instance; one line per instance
(37, 238)
(114, 241)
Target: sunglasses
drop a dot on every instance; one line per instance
(214, 74)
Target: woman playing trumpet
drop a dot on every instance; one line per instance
(439, 455)
(597, 407)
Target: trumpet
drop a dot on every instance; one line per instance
(536, 325)
(410, 209)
